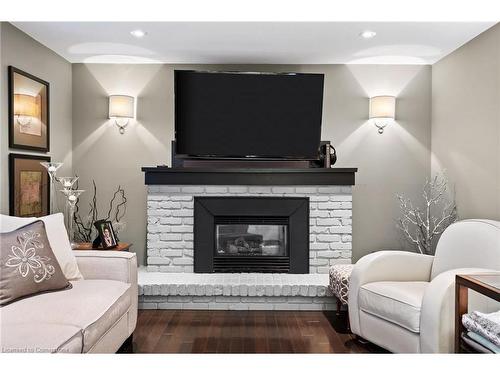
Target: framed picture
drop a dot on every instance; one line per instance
(29, 186)
(106, 234)
(29, 120)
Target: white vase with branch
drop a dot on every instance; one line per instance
(422, 225)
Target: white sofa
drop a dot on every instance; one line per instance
(404, 302)
(96, 316)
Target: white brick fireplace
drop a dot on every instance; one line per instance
(169, 280)
(170, 222)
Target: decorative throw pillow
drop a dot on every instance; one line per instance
(27, 264)
(58, 239)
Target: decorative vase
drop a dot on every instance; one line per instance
(52, 168)
(71, 198)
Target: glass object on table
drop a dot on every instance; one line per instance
(52, 168)
(71, 199)
(67, 182)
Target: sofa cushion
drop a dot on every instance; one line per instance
(398, 302)
(93, 306)
(58, 239)
(28, 264)
(40, 338)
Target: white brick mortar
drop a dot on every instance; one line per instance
(170, 222)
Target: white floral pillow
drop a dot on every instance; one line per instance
(27, 264)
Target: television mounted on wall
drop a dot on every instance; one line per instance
(248, 115)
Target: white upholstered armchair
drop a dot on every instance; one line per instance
(404, 301)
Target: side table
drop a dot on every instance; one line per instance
(485, 284)
(122, 246)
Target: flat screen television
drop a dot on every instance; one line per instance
(225, 115)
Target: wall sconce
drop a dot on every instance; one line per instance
(383, 110)
(121, 109)
(24, 108)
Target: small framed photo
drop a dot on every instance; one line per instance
(29, 186)
(29, 120)
(106, 234)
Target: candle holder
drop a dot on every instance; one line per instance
(52, 168)
(71, 198)
(67, 182)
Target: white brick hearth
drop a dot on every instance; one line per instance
(246, 291)
(170, 222)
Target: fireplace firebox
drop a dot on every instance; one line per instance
(251, 234)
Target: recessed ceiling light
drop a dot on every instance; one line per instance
(368, 34)
(138, 33)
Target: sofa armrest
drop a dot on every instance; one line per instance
(107, 265)
(437, 316)
(112, 265)
(385, 266)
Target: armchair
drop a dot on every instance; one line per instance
(404, 301)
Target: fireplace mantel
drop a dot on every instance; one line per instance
(249, 176)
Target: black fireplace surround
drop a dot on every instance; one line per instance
(251, 234)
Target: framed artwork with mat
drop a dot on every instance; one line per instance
(29, 119)
(29, 186)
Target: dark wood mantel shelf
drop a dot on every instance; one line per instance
(162, 175)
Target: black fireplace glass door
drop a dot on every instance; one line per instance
(251, 239)
(251, 234)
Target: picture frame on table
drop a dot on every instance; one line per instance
(29, 111)
(107, 234)
(29, 186)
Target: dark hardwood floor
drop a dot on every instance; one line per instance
(193, 331)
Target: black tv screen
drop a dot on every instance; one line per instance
(248, 115)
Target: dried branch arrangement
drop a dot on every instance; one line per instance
(421, 226)
(85, 230)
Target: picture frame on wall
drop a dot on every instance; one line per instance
(29, 186)
(29, 111)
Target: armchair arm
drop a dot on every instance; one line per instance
(112, 265)
(385, 266)
(437, 316)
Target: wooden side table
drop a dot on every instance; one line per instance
(485, 284)
(122, 246)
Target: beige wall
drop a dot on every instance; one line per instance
(23, 52)
(463, 90)
(466, 124)
(397, 161)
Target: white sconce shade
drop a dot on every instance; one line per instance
(121, 106)
(383, 107)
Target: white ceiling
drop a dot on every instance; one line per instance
(254, 42)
